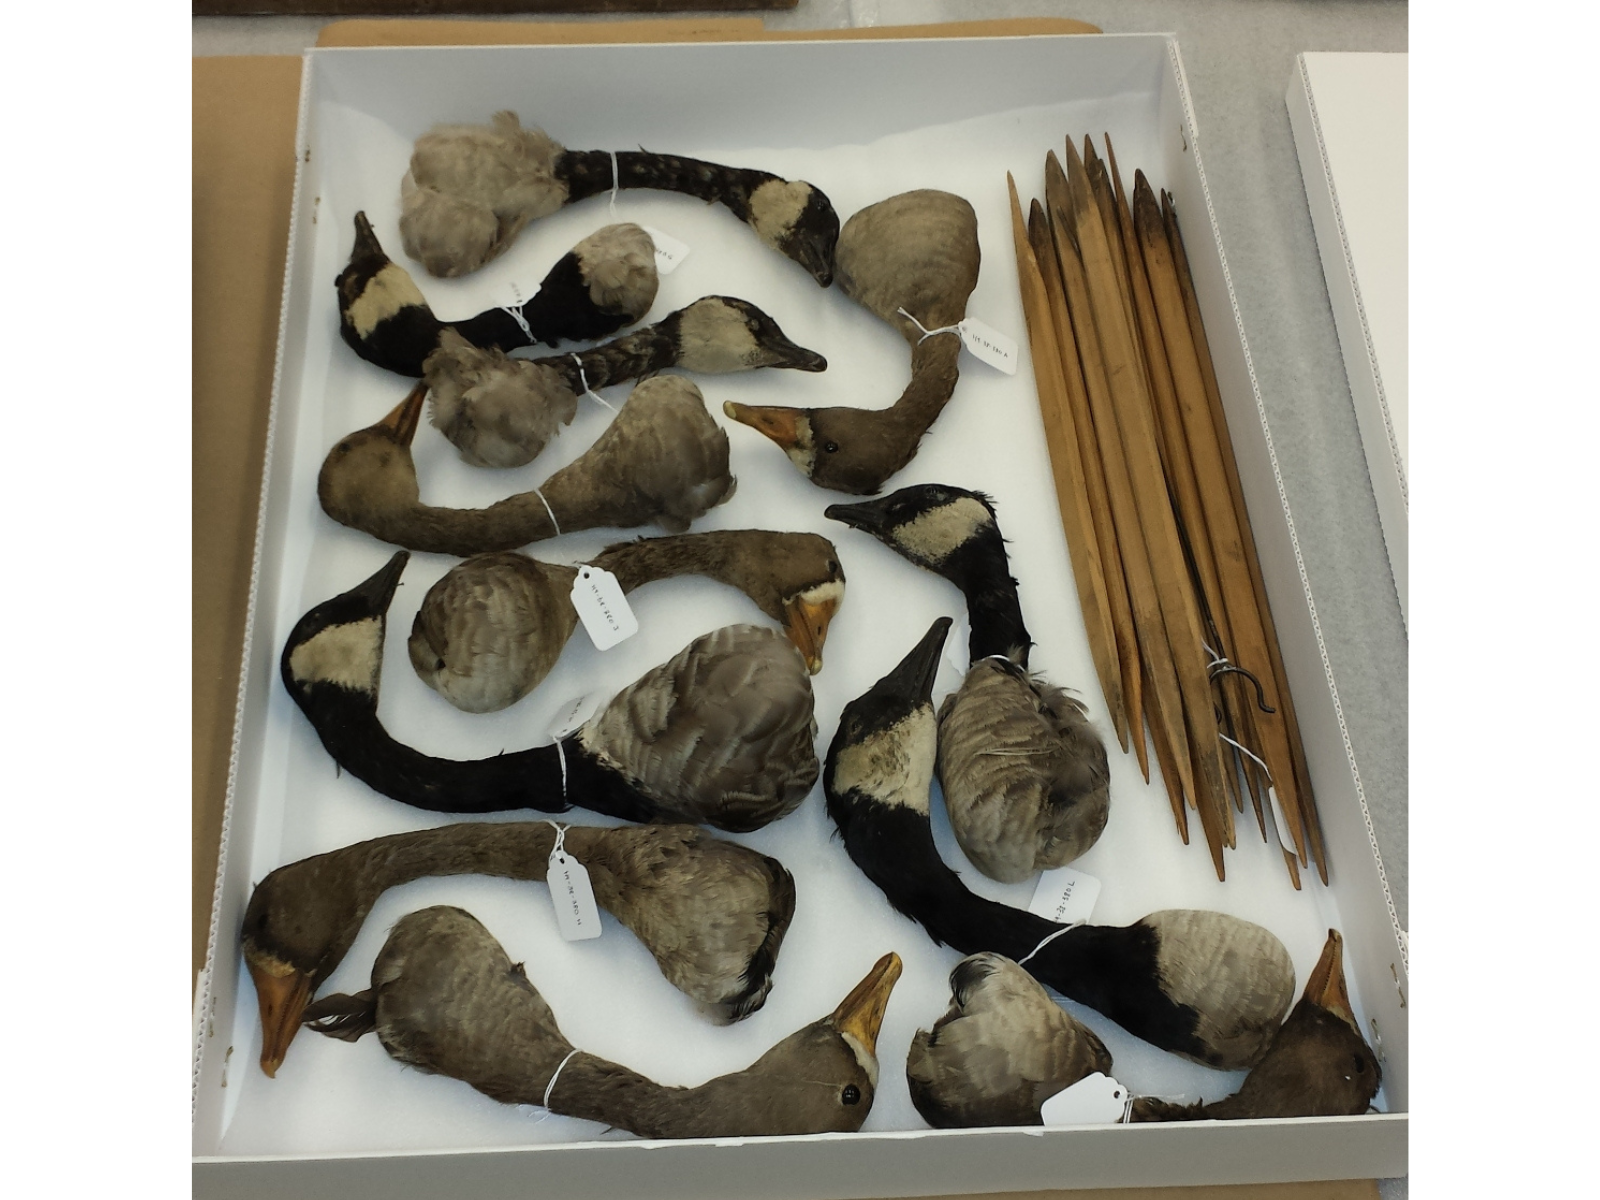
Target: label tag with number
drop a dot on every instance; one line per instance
(577, 915)
(1064, 896)
(1094, 1100)
(602, 607)
(570, 716)
(989, 345)
(670, 252)
(1281, 820)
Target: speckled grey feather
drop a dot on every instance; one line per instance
(496, 410)
(1002, 1049)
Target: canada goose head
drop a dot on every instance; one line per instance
(928, 523)
(797, 220)
(372, 469)
(719, 334)
(375, 291)
(339, 643)
(885, 745)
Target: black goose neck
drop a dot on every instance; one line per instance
(589, 173)
(632, 356)
(495, 329)
(994, 613)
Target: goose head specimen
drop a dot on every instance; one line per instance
(447, 999)
(711, 912)
(606, 281)
(1001, 1050)
(662, 460)
(917, 251)
(721, 734)
(1024, 773)
(493, 626)
(1204, 985)
(500, 411)
(472, 188)
(1319, 1065)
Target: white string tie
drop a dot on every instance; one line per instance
(562, 755)
(551, 1086)
(549, 510)
(561, 834)
(1248, 754)
(1048, 939)
(583, 378)
(926, 332)
(515, 313)
(616, 182)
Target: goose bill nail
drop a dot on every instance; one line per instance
(860, 1014)
(283, 998)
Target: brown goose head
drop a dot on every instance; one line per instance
(371, 470)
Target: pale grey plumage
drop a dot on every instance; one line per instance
(1218, 964)
(728, 725)
(497, 410)
(471, 189)
(619, 261)
(1002, 1049)
(1025, 775)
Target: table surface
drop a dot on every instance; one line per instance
(1238, 56)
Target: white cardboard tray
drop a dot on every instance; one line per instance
(862, 120)
(1348, 113)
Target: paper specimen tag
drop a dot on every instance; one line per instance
(1064, 896)
(670, 252)
(1094, 1100)
(577, 915)
(1281, 820)
(989, 345)
(518, 299)
(570, 716)
(602, 607)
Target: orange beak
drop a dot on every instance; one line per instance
(779, 424)
(860, 1014)
(1326, 987)
(403, 421)
(806, 622)
(282, 993)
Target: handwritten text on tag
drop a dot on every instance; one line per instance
(989, 345)
(570, 716)
(670, 252)
(577, 915)
(602, 607)
(1094, 1100)
(1064, 896)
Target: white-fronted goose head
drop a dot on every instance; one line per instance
(493, 626)
(471, 189)
(712, 913)
(1024, 773)
(663, 460)
(606, 281)
(1205, 985)
(722, 734)
(446, 998)
(919, 252)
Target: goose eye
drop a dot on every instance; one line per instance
(852, 1094)
(833, 567)
(831, 447)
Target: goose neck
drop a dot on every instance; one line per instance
(934, 371)
(643, 561)
(631, 356)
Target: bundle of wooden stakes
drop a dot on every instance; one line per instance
(1160, 541)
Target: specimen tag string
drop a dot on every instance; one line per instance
(551, 1086)
(514, 311)
(583, 378)
(577, 914)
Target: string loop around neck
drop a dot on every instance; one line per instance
(549, 511)
(583, 378)
(514, 311)
(551, 1086)
(1047, 940)
(926, 332)
(616, 182)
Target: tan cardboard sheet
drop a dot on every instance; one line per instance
(244, 125)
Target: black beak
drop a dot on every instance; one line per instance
(377, 591)
(869, 516)
(366, 241)
(912, 680)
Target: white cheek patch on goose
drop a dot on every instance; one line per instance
(775, 206)
(894, 766)
(934, 536)
(867, 1060)
(824, 594)
(390, 290)
(715, 340)
(348, 655)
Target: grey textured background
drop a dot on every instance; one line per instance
(1239, 55)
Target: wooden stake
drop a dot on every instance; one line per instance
(1116, 582)
(1236, 491)
(1170, 572)
(1155, 651)
(1067, 467)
